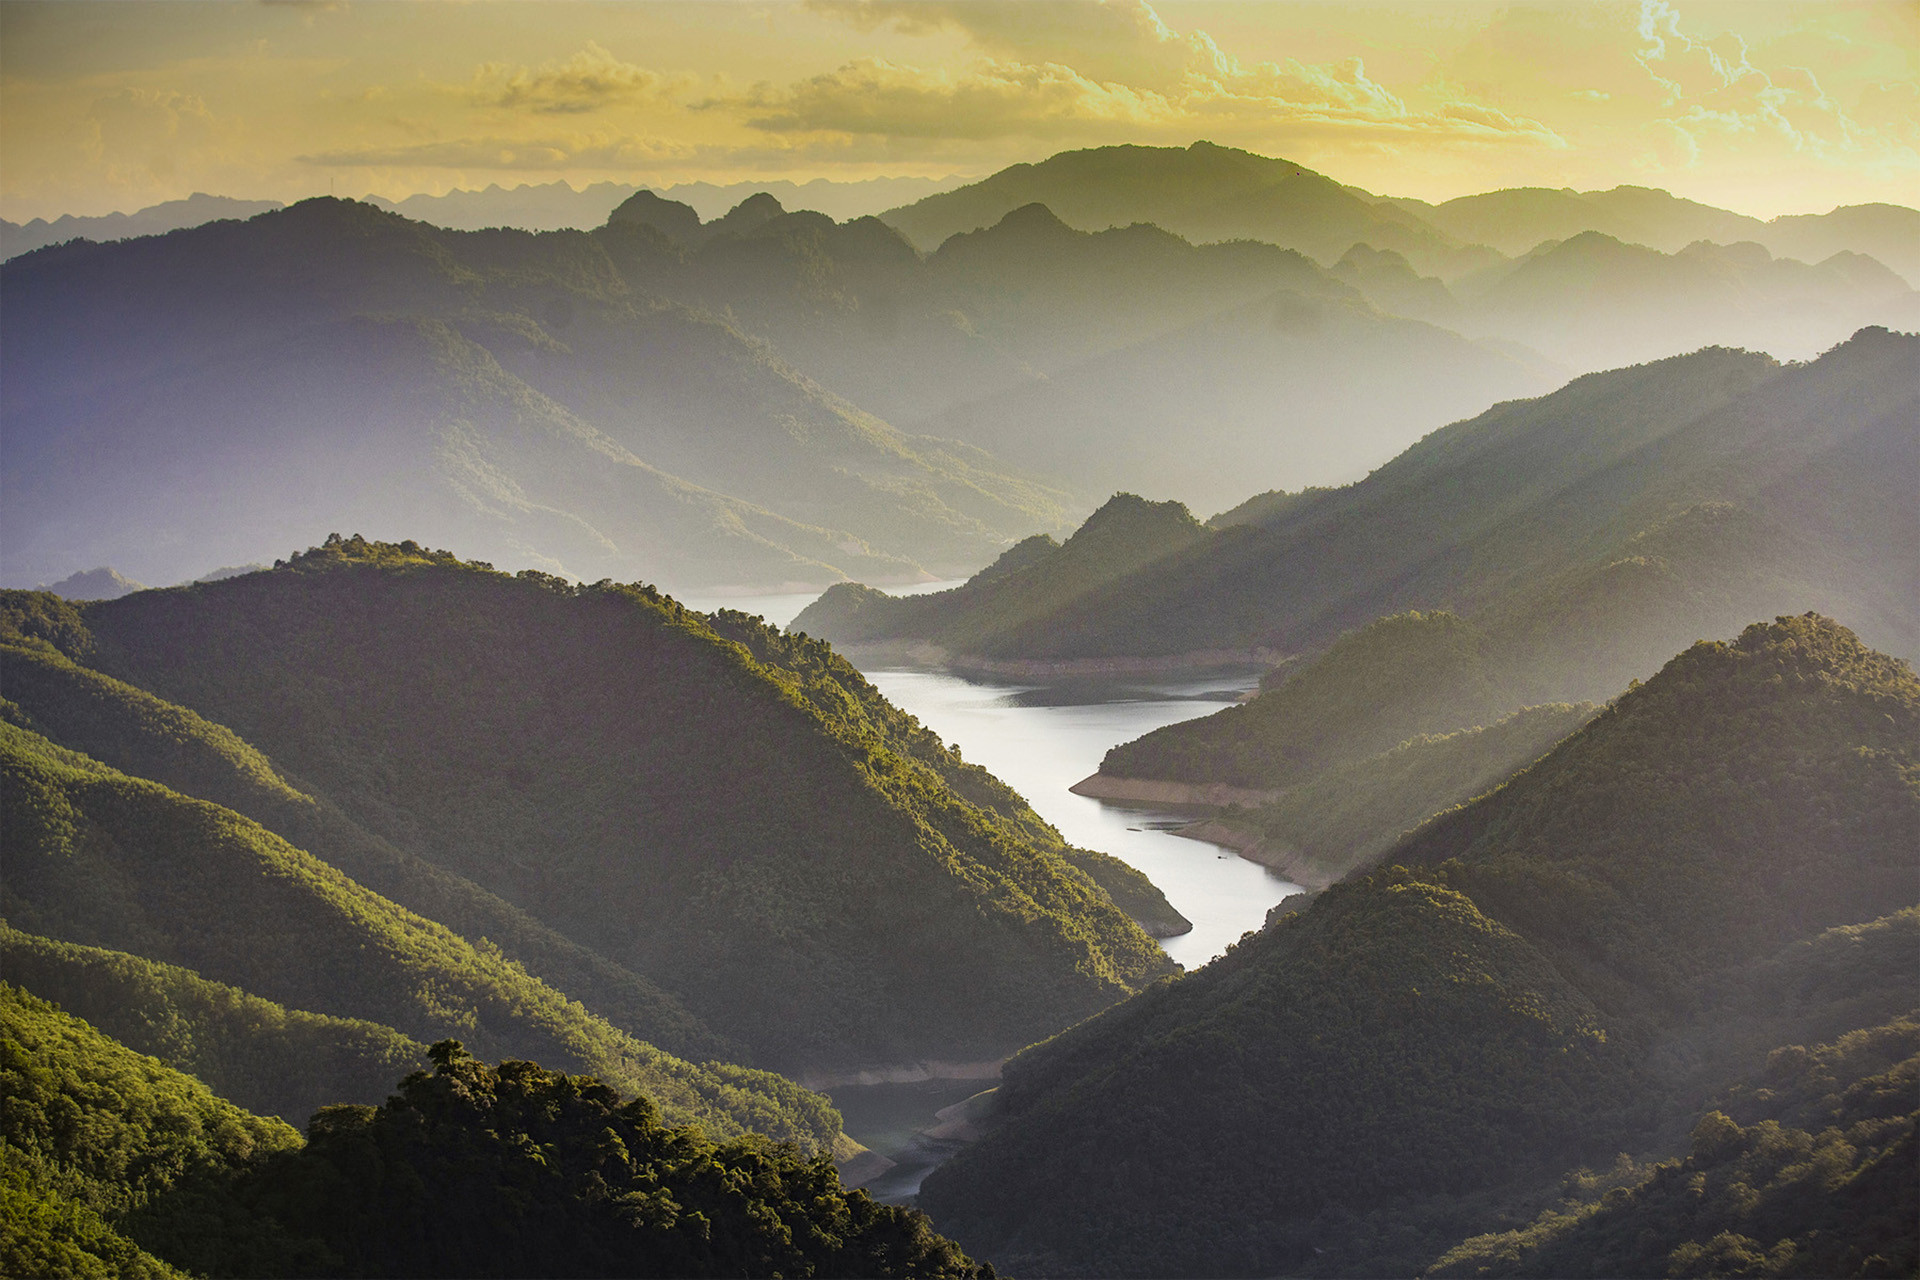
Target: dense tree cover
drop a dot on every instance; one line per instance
(1814, 1175)
(93, 1135)
(101, 859)
(1542, 982)
(113, 1164)
(141, 735)
(515, 1170)
(1391, 680)
(1029, 579)
(731, 814)
(264, 1057)
(1351, 815)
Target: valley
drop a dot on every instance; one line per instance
(957, 640)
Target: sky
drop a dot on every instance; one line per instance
(1762, 106)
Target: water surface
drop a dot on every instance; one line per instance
(1039, 747)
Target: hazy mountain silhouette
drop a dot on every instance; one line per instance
(18, 238)
(191, 399)
(1590, 527)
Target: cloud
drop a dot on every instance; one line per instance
(489, 152)
(1116, 41)
(144, 133)
(1079, 67)
(590, 80)
(873, 96)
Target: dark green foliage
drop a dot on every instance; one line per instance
(93, 1133)
(641, 781)
(1751, 793)
(1351, 815)
(136, 733)
(1377, 687)
(518, 1171)
(105, 860)
(1815, 1175)
(268, 1059)
(1131, 891)
(1562, 970)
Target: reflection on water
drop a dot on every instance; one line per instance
(891, 1119)
(1040, 739)
(1041, 750)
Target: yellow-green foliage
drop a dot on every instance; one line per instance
(111, 861)
(1378, 686)
(266, 1058)
(103, 1126)
(1349, 816)
(731, 813)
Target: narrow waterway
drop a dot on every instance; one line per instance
(1040, 740)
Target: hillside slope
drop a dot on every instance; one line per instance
(1365, 1081)
(728, 813)
(511, 393)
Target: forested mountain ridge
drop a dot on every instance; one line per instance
(1365, 1082)
(112, 1164)
(483, 724)
(1582, 534)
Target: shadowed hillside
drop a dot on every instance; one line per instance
(1571, 966)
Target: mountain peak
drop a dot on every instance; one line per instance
(647, 208)
(754, 211)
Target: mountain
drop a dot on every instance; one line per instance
(196, 210)
(1127, 533)
(264, 1057)
(1073, 353)
(556, 206)
(1576, 964)
(1582, 534)
(1592, 302)
(1518, 220)
(188, 400)
(114, 1164)
(93, 1135)
(700, 817)
(1351, 815)
(1202, 192)
(104, 583)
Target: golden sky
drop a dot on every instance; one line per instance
(1764, 106)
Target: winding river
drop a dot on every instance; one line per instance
(1041, 740)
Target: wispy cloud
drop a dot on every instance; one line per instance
(590, 80)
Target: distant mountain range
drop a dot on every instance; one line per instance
(197, 209)
(770, 399)
(556, 206)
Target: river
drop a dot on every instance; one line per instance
(1040, 740)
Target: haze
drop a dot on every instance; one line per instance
(1761, 108)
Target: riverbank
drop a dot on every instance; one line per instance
(924, 655)
(1153, 791)
(1290, 862)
